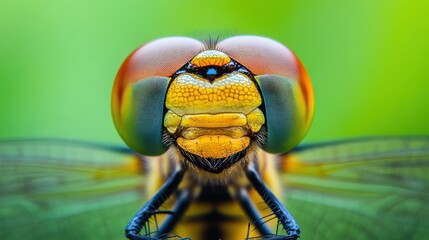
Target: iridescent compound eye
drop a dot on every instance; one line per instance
(140, 87)
(284, 84)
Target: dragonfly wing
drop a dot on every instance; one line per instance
(374, 188)
(68, 190)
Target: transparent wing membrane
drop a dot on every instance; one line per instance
(67, 190)
(373, 188)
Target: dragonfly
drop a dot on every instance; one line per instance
(206, 163)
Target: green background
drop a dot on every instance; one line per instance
(368, 59)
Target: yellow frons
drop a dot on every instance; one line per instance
(191, 94)
(210, 58)
(214, 120)
(214, 146)
(255, 120)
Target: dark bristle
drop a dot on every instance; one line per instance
(210, 43)
(167, 139)
(261, 137)
(213, 165)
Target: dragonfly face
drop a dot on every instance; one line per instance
(213, 111)
(212, 104)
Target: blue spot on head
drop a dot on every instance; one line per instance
(211, 71)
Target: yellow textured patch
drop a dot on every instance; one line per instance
(210, 58)
(214, 120)
(171, 121)
(194, 132)
(255, 119)
(191, 94)
(214, 146)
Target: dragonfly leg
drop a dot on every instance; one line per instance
(150, 208)
(181, 206)
(282, 214)
(251, 211)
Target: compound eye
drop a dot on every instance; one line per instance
(285, 87)
(139, 91)
(261, 55)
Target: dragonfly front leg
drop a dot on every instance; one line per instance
(150, 208)
(252, 212)
(282, 214)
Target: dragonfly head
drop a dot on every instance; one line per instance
(212, 104)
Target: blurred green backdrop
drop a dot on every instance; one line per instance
(368, 59)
